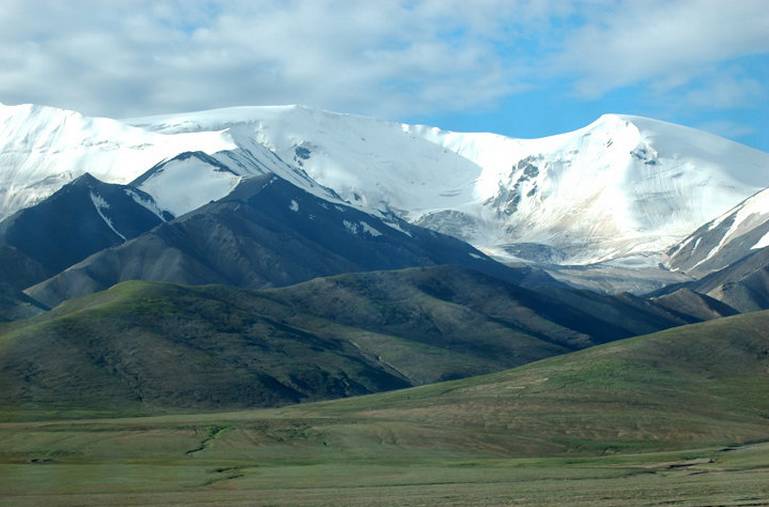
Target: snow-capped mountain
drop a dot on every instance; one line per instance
(192, 179)
(42, 148)
(739, 232)
(619, 187)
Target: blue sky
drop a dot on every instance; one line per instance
(552, 108)
(519, 67)
(724, 92)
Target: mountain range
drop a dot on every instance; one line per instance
(287, 254)
(622, 187)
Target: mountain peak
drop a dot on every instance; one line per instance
(85, 179)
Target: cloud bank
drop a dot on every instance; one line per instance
(388, 58)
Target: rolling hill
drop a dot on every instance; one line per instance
(690, 387)
(144, 347)
(696, 385)
(673, 417)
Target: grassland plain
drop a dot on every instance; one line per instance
(679, 417)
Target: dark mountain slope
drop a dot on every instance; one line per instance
(82, 218)
(17, 271)
(16, 305)
(694, 306)
(743, 285)
(569, 317)
(268, 232)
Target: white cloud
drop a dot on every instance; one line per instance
(125, 58)
(662, 43)
(724, 92)
(387, 58)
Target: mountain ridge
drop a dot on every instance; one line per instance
(269, 232)
(486, 188)
(83, 217)
(726, 239)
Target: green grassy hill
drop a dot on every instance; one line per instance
(697, 385)
(145, 347)
(689, 386)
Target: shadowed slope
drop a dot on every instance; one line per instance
(83, 217)
(268, 232)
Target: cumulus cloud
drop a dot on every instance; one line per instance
(725, 92)
(661, 43)
(133, 57)
(387, 58)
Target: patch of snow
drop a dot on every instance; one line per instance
(724, 239)
(395, 225)
(149, 204)
(181, 186)
(101, 205)
(762, 243)
(697, 243)
(369, 230)
(351, 227)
